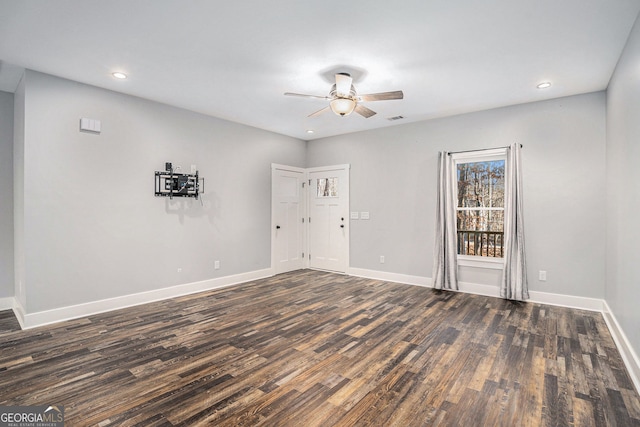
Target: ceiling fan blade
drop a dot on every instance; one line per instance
(383, 96)
(343, 84)
(305, 96)
(364, 111)
(317, 113)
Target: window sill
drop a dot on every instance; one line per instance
(481, 262)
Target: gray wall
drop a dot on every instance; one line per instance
(92, 226)
(6, 195)
(393, 177)
(18, 193)
(623, 191)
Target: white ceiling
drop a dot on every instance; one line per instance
(235, 59)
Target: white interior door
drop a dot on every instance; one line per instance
(287, 218)
(329, 218)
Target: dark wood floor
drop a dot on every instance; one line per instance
(318, 349)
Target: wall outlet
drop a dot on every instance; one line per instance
(381, 259)
(216, 265)
(179, 269)
(542, 275)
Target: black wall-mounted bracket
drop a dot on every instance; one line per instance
(171, 184)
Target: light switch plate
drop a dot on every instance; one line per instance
(354, 215)
(90, 125)
(364, 215)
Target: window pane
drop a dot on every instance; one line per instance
(481, 243)
(327, 187)
(480, 220)
(481, 184)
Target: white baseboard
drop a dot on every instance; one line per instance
(569, 301)
(390, 277)
(41, 318)
(583, 303)
(6, 303)
(629, 356)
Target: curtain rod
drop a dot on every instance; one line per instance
(481, 149)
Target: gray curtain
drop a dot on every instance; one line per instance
(445, 257)
(514, 277)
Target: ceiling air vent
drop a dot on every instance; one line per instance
(394, 118)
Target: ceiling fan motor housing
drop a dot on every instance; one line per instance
(333, 94)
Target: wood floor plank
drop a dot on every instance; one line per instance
(313, 348)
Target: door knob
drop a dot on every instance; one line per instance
(277, 227)
(341, 225)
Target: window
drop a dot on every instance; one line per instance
(327, 187)
(480, 178)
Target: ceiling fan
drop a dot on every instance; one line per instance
(343, 98)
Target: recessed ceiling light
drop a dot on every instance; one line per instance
(310, 131)
(544, 85)
(119, 75)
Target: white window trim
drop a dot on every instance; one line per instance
(481, 262)
(466, 157)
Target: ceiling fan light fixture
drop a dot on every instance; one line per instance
(342, 106)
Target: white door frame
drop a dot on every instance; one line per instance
(305, 241)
